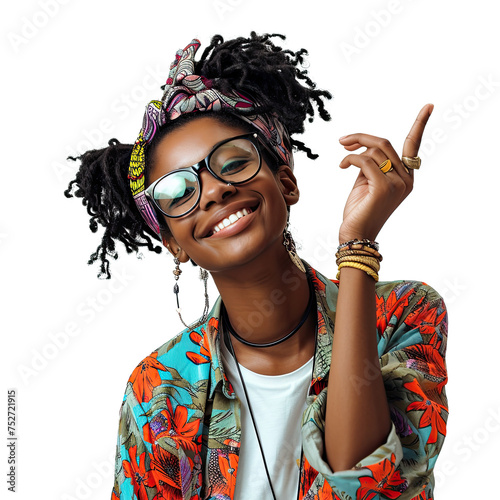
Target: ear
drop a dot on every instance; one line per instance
(288, 184)
(172, 246)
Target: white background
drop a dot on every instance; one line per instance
(78, 73)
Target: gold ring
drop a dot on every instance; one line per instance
(412, 162)
(386, 166)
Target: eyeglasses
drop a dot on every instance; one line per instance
(232, 161)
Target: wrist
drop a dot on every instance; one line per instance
(343, 237)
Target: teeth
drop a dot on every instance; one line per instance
(232, 218)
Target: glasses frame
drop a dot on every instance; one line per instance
(253, 137)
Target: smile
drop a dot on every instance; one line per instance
(231, 219)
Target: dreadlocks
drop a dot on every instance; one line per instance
(253, 66)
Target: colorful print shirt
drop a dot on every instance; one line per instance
(180, 432)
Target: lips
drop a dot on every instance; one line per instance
(234, 217)
(226, 218)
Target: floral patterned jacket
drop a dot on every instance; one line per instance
(179, 432)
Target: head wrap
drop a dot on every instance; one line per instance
(185, 92)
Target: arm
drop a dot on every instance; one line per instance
(357, 413)
(132, 471)
(363, 422)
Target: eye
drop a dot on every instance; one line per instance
(175, 190)
(182, 198)
(233, 157)
(234, 166)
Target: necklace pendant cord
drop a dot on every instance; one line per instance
(227, 330)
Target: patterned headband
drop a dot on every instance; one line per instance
(185, 92)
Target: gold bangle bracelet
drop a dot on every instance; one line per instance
(354, 252)
(362, 267)
(371, 262)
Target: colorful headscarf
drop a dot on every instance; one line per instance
(185, 92)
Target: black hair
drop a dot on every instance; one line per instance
(255, 67)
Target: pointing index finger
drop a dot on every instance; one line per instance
(413, 139)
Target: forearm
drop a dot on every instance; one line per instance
(357, 417)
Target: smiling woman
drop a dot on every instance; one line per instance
(259, 398)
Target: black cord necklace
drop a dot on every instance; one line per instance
(227, 329)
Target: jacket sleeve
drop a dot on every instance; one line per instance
(133, 460)
(412, 333)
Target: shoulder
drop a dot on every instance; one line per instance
(407, 298)
(417, 292)
(414, 291)
(410, 312)
(181, 361)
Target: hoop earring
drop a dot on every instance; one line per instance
(203, 276)
(289, 244)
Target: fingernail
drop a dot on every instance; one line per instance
(343, 137)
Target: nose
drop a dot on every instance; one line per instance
(213, 190)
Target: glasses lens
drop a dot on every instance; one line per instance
(236, 160)
(177, 193)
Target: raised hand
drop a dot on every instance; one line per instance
(375, 195)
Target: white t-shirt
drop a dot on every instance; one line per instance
(277, 403)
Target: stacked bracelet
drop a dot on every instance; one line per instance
(366, 242)
(359, 254)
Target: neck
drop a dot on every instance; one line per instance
(265, 301)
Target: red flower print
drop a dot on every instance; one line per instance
(427, 360)
(387, 309)
(174, 425)
(321, 324)
(202, 341)
(386, 480)
(165, 468)
(326, 493)
(145, 377)
(422, 496)
(317, 283)
(137, 473)
(307, 477)
(432, 415)
(168, 493)
(228, 463)
(427, 319)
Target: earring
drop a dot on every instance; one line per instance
(203, 276)
(289, 244)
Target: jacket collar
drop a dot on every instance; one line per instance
(326, 299)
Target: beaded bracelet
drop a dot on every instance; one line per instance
(365, 242)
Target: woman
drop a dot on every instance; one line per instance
(258, 398)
